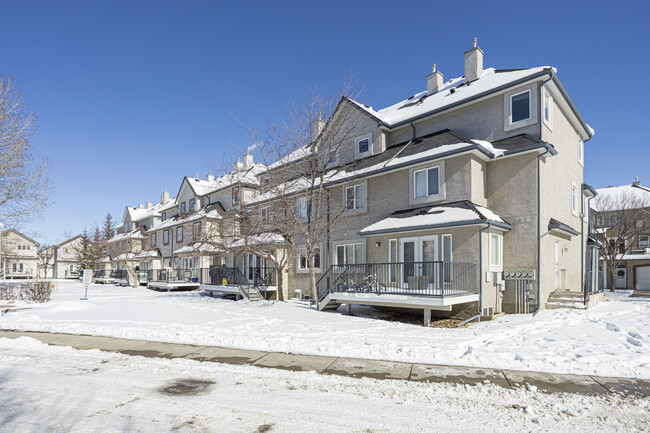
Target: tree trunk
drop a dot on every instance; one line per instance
(280, 280)
(312, 283)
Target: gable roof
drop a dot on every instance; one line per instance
(618, 197)
(21, 235)
(202, 187)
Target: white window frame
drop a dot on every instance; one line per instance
(192, 204)
(299, 208)
(163, 216)
(426, 177)
(548, 105)
(644, 241)
(165, 238)
(359, 139)
(495, 237)
(354, 199)
(574, 199)
(302, 252)
(265, 214)
(153, 240)
(345, 246)
(196, 233)
(533, 106)
(442, 247)
(179, 230)
(235, 195)
(581, 152)
(183, 207)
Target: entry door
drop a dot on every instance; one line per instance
(558, 265)
(414, 251)
(254, 266)
(620, 279)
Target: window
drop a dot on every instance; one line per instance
(183, 207)
(302, 208)
(249, 194)
(192, 204)
(264, 214)
(164, 216)
(574, 199)
(355, 197)
(495, 250)
(235, 195)
(447, 270)
(644, 241)
(639, 224)
(548, 108)
(179, 234)
(581, 151)
(302, 260)
(266, 183)
(153, 240)
(613, 220)
(332, 157)
(349, 254)
(197, 230)
(165, 237)
(520, 107)
(392, 259)
(364, 145)
(426, 182)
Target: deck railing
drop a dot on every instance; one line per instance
(175, 275)
(431, 279)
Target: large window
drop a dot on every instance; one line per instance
(495, 250)
(302, 260)
(349, 254)
(179, 234)
(302, 207)
(520, 106)
(355, 197)
(165, 237)
(426, 182)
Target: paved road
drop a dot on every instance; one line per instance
(544, 382)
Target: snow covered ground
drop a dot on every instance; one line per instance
(60, 389)
(611, 339)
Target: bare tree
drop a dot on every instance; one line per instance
(25, 186)
(304, 157)
(123, 249)
(621, 219)
(45, 259)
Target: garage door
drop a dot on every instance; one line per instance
(642, 278)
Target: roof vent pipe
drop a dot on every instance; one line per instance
(636, 182)
(434, 81)
(473, 63)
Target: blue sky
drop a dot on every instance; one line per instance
(132, 96)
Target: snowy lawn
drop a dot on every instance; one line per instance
(611, 339)
(60, 389)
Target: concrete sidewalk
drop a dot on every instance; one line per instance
(545, 382)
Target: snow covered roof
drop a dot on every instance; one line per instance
(430, 217)
(202, 187)
(210, 212)
(124, 256)
(198, 247)
(261, 239)
(621, 197)
(148, 253)
(133, 234)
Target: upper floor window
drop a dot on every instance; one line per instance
(332, 157)
(183, 207)
(153, 240)
(164, 216)
(364, 145)
(495, 250)
(166, 237)
(266, 183)
(426, 182)
(644, 241)
(548, 108)
(179, 234)
(520, 106)
(192, 204)
(302, 208)
(197, 230)
(355, 197)
(235, 195)
(581, 151)
(264, 214)
(574, 199)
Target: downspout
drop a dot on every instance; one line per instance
(403, 148)
(539, 234)
(480, 265)
(583, 258)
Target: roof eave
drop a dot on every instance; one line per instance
(497, 224)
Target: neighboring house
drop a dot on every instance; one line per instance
(61, 260)
(18, 255)
(181, 249)
(472, 186)
(622, 224)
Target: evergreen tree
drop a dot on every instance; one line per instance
(108, 230)
(85, 252)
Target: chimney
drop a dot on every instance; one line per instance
(434, 81)
(149, 204)
(165, 197)
(637, 182)
(317, 127)
(209, 177)
(140, 206)
(248, 160)
(473, 63)
(239, 165)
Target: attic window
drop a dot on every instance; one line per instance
(520, 106)
(364, 145)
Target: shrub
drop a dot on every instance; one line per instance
(32, 291)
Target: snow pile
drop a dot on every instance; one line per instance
(611, 339)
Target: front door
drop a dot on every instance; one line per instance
(620, 279)
(418, 256)
(558, 265)
(254, 266)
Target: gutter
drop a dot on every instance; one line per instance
(591, 189)
(504, 226)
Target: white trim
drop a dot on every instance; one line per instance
(349, 243)
(581, 152)
(547, 104)
(364, 200)
(574, 199)
(533, 106)
(360, 138)
(299, 207)
(440, 165)
(301, 252)
(495, 266)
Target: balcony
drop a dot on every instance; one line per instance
(427, 285)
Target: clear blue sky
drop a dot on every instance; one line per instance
(132, 96)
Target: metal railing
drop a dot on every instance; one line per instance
(223, 275)
(71, 274)
(589, 282)
(169, 275)
(120, 274)
(431, 279)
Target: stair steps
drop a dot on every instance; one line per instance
(565, 299)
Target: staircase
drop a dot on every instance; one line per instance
(565, 299)
(251, 293)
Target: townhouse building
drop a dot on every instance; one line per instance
(61, 260)
(18, 255)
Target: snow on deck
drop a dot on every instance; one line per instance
(611, 339)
